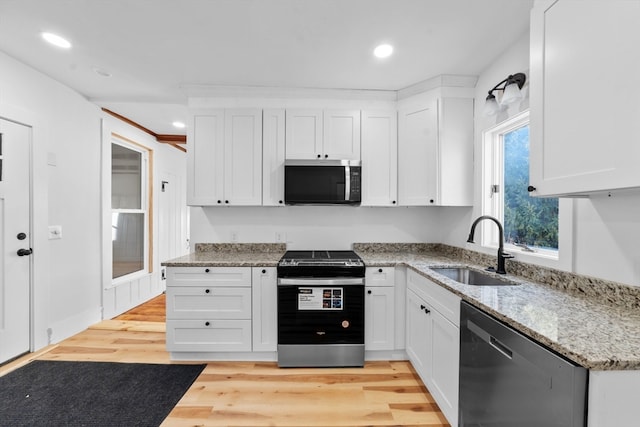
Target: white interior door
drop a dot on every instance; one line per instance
(15, 239)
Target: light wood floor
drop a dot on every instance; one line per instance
(387, 393)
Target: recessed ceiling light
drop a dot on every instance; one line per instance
(179, 125)
(56, 40)
(383, 50)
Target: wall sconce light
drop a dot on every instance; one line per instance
(511, 93)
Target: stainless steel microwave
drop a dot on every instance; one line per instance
(322, 182)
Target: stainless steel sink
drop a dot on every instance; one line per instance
(468, 276)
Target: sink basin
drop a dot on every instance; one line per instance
(472, 277)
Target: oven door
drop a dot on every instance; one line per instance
(321, 311)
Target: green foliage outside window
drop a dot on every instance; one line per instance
(527, 220)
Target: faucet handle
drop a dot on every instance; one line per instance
(507, 255)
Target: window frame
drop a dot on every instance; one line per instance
(146, 207)
(493, 203)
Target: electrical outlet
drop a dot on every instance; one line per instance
(234, 236)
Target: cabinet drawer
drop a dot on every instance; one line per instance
(210, 276)
(380, 276)
(203, 302)
(446, 302)
(208, 335)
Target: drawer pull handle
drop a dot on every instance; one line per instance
(207, 291)
(206, 323)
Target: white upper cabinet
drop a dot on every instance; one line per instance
(273, 157)
(318, 134)
(224, 151)
(435, 145)
(205, 150)
(380, 158)
(585, 114)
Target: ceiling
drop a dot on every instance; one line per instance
(157, 52)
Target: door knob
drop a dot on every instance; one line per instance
(24, 252)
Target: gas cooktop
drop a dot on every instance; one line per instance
(320, 264)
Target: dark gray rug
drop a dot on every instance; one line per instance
(53, 393)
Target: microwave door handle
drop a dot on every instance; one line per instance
(347, 183)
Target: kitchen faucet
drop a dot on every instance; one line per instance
(501, 254)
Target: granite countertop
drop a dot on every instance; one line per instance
(595, 334)
(592, 322)
(230, 255)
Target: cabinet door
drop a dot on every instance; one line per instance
(265, 309)
(273, 146)
(303, 134)
(205, 158)
(380, 158)
(418, 334)
(243, 157)
(584, 114)
(444, 369)
(418, 155)
(379, 313)
(341, 136)
(455, 152)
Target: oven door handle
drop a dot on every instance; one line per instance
(320, 282)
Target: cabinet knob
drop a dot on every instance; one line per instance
(531, 188)
(280, 201)
(264, 271)
(431, 201)
(369, 291)
(219, 201)
(206, 323)
(422, 307)
(393, 202)
(206, 270)
(326, 156)
(207, 291)
(226, 201)
(426, 310)
(379, 270)
(319, 156)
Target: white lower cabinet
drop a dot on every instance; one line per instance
(433, 340)
(208, 309)
(379, 309)
(265, 309)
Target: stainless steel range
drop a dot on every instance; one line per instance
(320, 309)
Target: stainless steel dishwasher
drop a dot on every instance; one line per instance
(509, 380)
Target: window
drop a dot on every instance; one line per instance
(531, 224)
(129, 205)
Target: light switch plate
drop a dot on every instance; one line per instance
(55, 232)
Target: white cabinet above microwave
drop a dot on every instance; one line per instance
(322, 134)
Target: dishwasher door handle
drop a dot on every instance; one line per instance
(489, 339)
(506, 351)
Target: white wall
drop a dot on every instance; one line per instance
(67, 161)
(322, 227)
(67, 133)
(606, 230)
